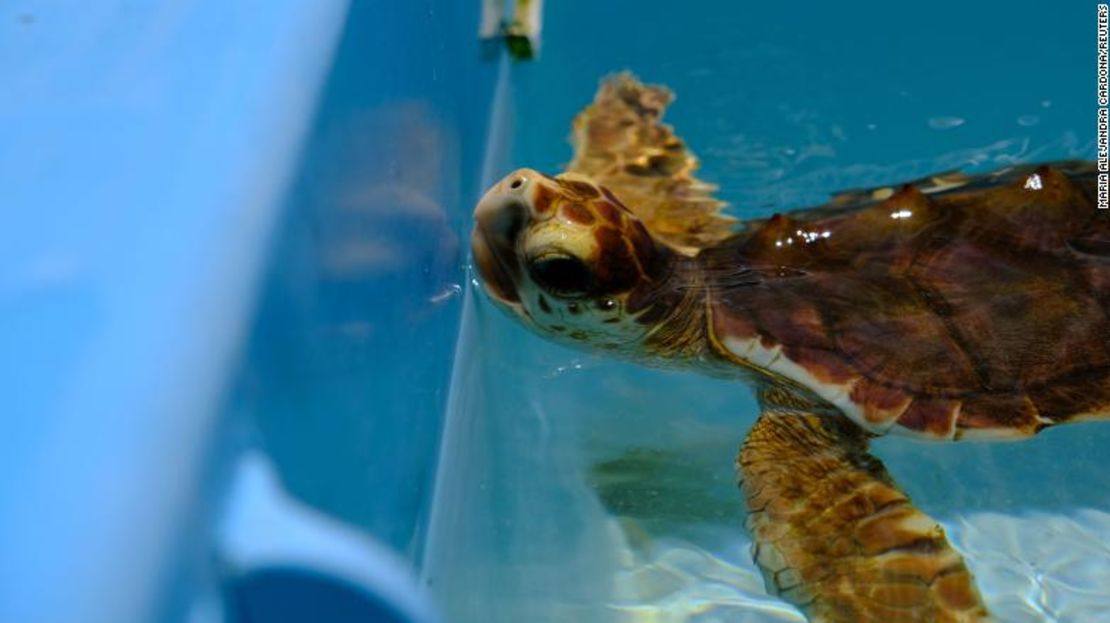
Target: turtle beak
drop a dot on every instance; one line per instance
(501, 215)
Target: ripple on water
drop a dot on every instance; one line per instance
(1039, 566)
(675, 581)
(1031, 568)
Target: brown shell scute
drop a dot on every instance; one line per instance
(984, 307)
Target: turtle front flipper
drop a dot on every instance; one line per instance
(835, 536)
(621, 143)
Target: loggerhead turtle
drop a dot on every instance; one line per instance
(950, 308)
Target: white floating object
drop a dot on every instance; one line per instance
(945, 123)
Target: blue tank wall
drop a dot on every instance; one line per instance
(144, 149)
(224, 226)
(349, 357)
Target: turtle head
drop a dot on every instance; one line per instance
(568, 259)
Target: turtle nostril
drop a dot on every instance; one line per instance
(517, 183)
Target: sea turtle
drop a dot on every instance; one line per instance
(954, 307)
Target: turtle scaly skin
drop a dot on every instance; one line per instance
(833, 533)
(949, 308)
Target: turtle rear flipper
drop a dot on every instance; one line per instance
(835, 536)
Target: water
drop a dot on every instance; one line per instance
(575, 488)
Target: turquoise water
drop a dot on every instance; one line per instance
(572, 488)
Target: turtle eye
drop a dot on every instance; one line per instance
(561, 275)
